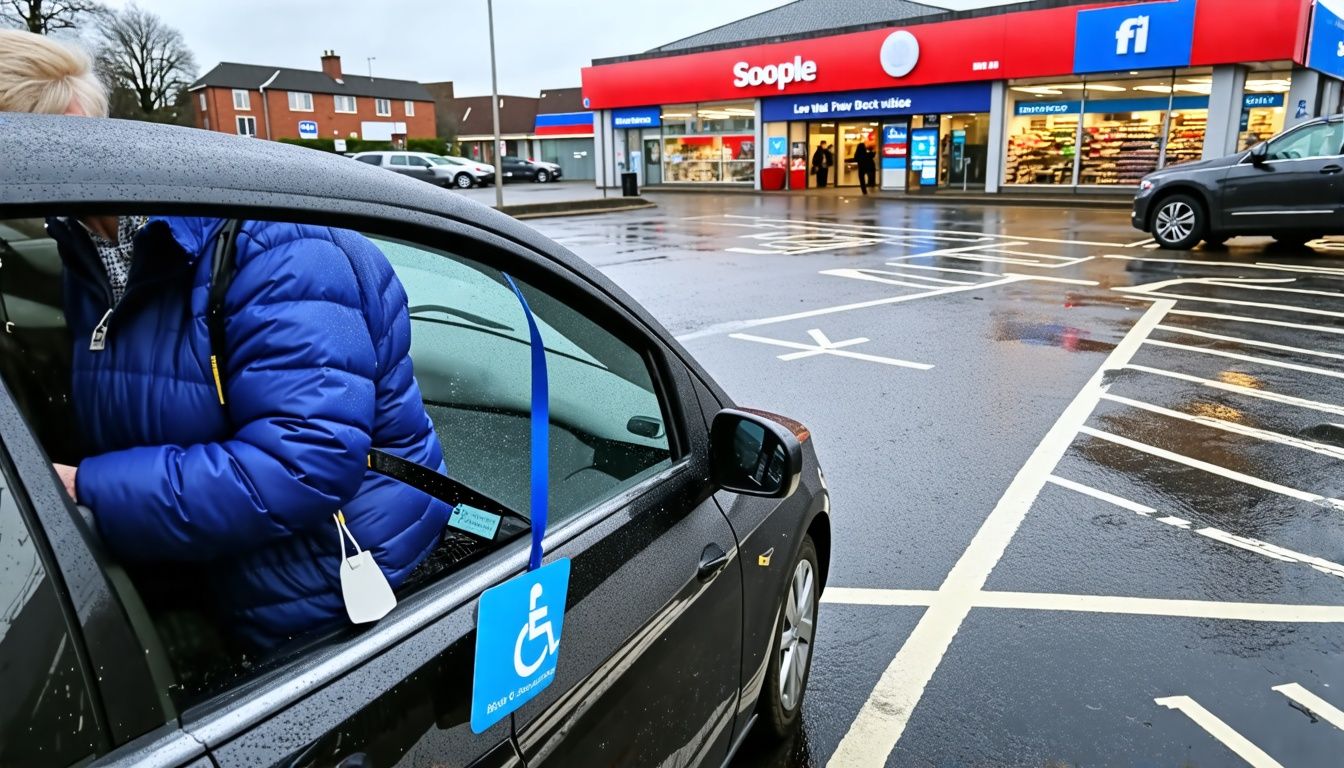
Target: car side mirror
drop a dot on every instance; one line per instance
(1259, 153)
(753, 455)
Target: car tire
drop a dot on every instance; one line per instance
(464, 181)
(1178, 222)
(791, 649)
(543, 177)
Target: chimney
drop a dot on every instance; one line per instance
(331, 65)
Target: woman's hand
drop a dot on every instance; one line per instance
(67, 475)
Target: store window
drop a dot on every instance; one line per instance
(709, 143)
(1262, 111)
(1122, 128)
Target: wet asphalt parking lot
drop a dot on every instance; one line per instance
(1086, 493)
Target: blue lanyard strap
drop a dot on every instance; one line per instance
(541, 431)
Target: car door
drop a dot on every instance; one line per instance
(1298, 186)
(395, 693)
(648, 668)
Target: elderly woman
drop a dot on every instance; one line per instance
(317, 343)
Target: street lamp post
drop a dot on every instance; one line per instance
(494, 105)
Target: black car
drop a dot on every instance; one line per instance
(1290, 187)
(518, 169)
(698, 533)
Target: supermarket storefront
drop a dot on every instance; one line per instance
(1054, 98)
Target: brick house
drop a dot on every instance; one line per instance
(276, 102)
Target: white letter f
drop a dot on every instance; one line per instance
(1135, 29)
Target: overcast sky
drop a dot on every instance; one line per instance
(541, 43)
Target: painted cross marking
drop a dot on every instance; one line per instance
(824, 346)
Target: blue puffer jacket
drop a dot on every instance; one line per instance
(318, 371)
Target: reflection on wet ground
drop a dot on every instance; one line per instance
(1187, 544)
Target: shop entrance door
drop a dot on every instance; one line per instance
(653, 159)
(816, 134)
(851, 136)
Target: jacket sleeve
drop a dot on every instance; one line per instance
(301, 369)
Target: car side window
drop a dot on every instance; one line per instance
(399, 160)
(1322, 140)
(469, 344)
(46, 715)
(371, 159)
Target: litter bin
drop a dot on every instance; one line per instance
(630, 185)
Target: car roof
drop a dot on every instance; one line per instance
(53, 160)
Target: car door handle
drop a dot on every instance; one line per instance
(712, 560)
(1332, 168)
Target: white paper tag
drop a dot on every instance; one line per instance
(368, 596)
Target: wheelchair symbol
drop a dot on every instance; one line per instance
(537, 625)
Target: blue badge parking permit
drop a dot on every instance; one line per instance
(474, 521)
(518, 627)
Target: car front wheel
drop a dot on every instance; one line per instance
(1179, 222)
(791, 653)
(463, 181)
(543, 177)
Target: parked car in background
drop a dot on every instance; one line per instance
(1290, 188)
(518, 169)
(485, 174)
(424, 166)
(699, 532)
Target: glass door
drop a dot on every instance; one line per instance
(817, 135)
(653, 158)
(852, 135)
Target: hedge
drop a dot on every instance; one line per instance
(432, 146)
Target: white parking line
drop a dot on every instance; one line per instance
(1246, 286)
(1334, 452)
(1219, 730)
(1129, 606)
(1246, 358)
(926, 278)
(881, 721)
(1256, 265)
(873, 227)
(875, 276)
(1266, 485)
(1248, 342)
(1258, 321)
(905, 265)
(1248, 391)
(1262, 548)
(1231, 302)
(1318, 706)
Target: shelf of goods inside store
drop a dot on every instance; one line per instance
(1259, 128)
(1043, 153)
(1185, 142)
(1119, 152)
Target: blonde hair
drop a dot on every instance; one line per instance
(38, 74)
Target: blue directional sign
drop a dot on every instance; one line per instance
(517, 642)
(1128, 37)
(1325, 52)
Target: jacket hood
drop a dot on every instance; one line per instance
(192, 233)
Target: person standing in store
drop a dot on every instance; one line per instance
(822, 160)
(865, 159)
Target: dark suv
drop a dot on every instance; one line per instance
(1290, 187)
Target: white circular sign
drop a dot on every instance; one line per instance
(900, 53)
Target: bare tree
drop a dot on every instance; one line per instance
(145, 60)
(46, 16)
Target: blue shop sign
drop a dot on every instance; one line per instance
(637, 117)
(1253, 100)
(1109, 106)
(1128, 37)
(1325, 52)
(958, 97)
(307, 129)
